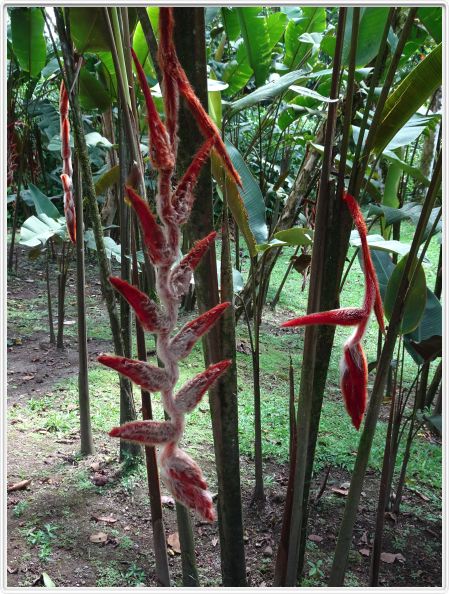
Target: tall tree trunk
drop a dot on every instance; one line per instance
(87, 444)
(220, 342)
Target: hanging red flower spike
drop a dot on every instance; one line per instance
(353, 366)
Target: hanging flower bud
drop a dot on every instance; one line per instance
(69, 207)
(148, 377)
(147, 311)
(153, 236)
(353, 382)
(148, 433)
(183, 342)
(192, 392)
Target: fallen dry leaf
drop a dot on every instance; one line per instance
(98, 537)
(95, 466)
(27, 377)
(11, 570)
(100, 479)
(173, 542)
(392, 557)
(364, 552)
(167, 501)
(107, 519)
(315, 538)
(214, 542)
(342, 492)
(19, 486)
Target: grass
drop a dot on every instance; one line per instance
(110, 576)
(42, 538)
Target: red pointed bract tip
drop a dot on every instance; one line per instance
(191, 393)
(183, 196)
(183, 342)
(160, 150)
(350, 316)
(354, 382)
(193, 257)
(153, 236)
(148, 377)
(146, 310)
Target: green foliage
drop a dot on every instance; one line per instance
(371, 27)
(42, 538)
(28, 42)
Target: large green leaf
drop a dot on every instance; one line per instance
(88, 28)
(92, 93)
(432, 19)
(257, 42)
(246, 203)
(408, 97)
(416, 296)
(36, 231)
(296, 236)
(231, 23)
(28, 41)
(371, 26)
(107, 179)
(415, 172)
(42, 203)
(276, 23)
(237, 71)
(377, 242)
(425, 342)
(267, 92)
(312, 20)
(410, 211)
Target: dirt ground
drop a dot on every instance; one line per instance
(71, 501)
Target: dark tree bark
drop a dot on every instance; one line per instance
(220, 342)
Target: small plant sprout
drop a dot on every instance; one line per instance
(161, 236)
(353, 366)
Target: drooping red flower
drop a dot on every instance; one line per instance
(145, 375)
(353, 366)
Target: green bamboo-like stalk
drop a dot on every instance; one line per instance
(305, 404)
(223, 396)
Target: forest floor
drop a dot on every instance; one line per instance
(84, 523)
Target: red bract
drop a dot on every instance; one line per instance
(183, 196)
(353, 367)
(146, 310)
(183, 342)
(148, 433)
(173, 71)
(160, 150)
(66, 154)
(192, 392)
(181, 274)
(153, 236)
(148, 377)
(185, 480)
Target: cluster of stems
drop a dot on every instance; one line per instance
(161, 233)
(353, 365)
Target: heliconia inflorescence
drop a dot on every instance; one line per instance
(353, 366)
(161, 238)
(66, 154)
